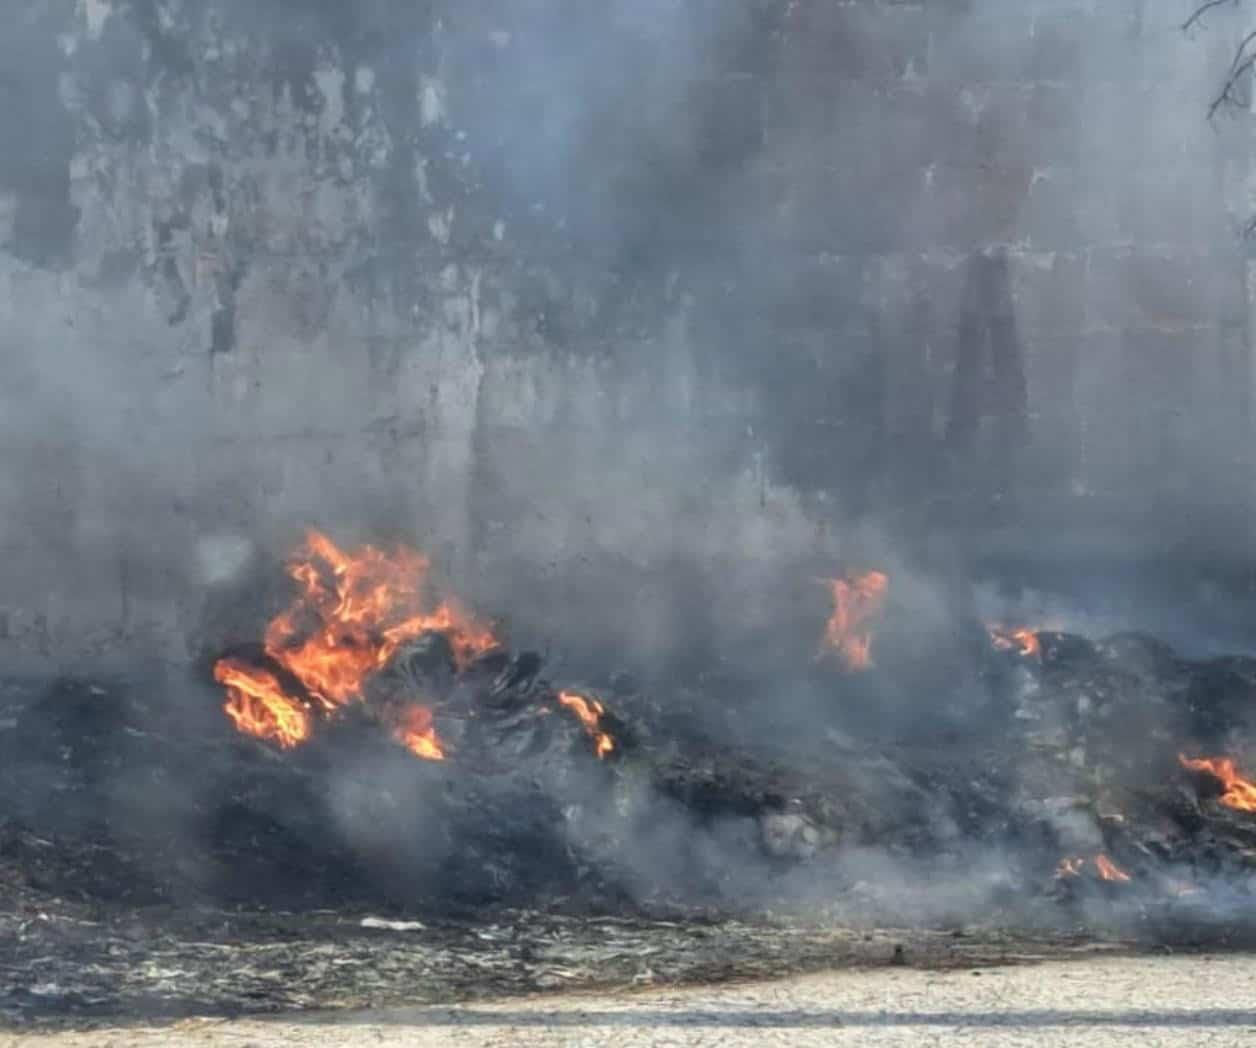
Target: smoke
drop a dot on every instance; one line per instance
(814, 267)
(658, 298)
(642, 318)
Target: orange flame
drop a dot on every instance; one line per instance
(1239, 794)
(258, 705)
(1106, 869)
(589, 712)
(352, 613)
(1023, 641)
(1109, 870)
(856, 602)
(416, 733)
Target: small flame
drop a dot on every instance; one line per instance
(1110, 871)
(259, 706)
(856, 603)
(589, 712)
(1105, 868)
(1021, 640)
(416, 733)
(1240, 793)
(1069, 867)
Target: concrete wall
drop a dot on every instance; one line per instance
(605, 308)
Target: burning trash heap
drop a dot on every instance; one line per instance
(379, 743)
(361, 632)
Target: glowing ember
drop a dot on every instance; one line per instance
(589, 712)
(1020, 640)
(352, 613)
(416, 733)
(1070, 867)
(1239, 794)
(1109, 870)
(258, 705)
(1105, 869)
(856, 603)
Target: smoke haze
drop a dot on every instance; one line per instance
(660, 299)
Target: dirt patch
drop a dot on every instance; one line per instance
(1200, 1000)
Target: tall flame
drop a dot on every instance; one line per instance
(856, 604)
(1240, 793)
(589, 712)
(352, 612)
(1019, 639)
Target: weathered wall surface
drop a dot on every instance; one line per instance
(660, 293)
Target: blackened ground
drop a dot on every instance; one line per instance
(80, 964)
(152, 859)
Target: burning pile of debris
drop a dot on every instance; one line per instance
(380, 747)
(361, 633)
(374, 746)
(1120, 739)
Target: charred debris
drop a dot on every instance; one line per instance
(377, 752)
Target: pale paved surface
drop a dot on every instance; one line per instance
(1197, 1001)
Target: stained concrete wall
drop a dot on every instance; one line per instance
(614, 311)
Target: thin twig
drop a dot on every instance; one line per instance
(1203, 9)
(1241, 64)
(1243, 46)
(1227, 92)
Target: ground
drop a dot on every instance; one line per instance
(1198, 1000)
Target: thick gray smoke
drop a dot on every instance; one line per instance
(685, 283)
(664, 300)
(641, 317)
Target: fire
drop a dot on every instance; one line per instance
(258, 705)
(1069, 867)
(1105, 868)
(352, 612)
(856, 603)
(416, 733)
(1023, 641)
(1240, 793)
(589, 712)
(1109, 870)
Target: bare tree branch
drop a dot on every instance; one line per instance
(1242, 64)
(1243, 45)
(1203, 9)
